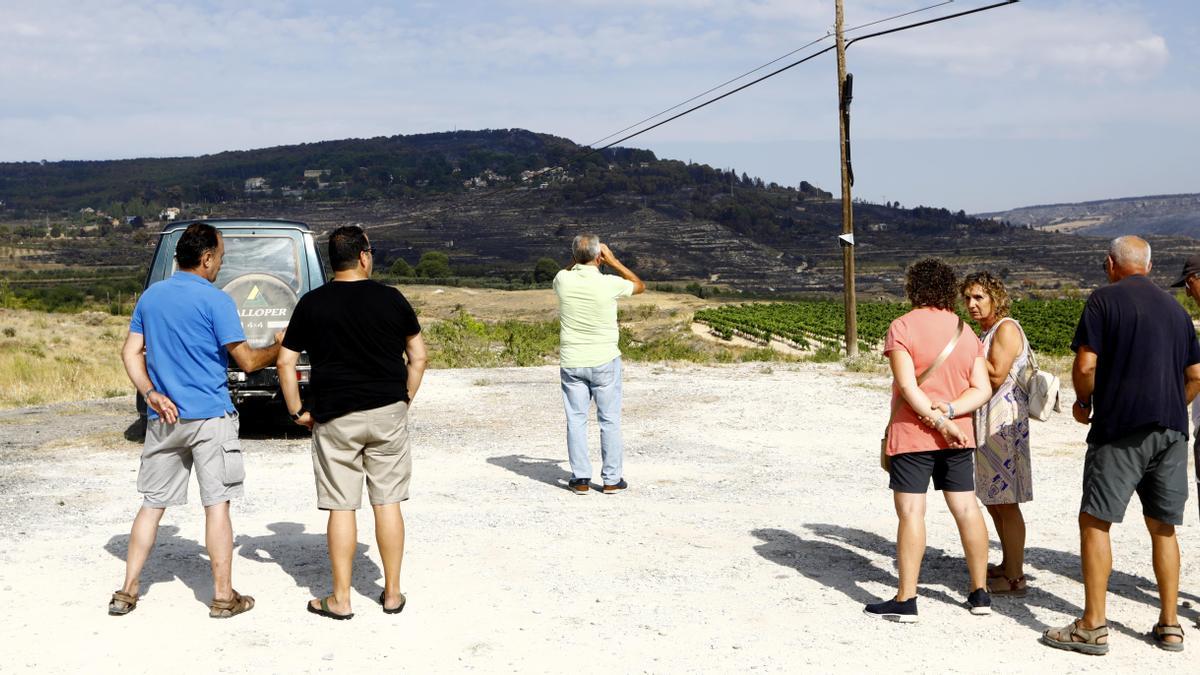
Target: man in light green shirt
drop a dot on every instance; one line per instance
(590, 362)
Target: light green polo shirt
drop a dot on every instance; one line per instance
(587, 312)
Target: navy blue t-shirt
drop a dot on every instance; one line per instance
(1143, 341)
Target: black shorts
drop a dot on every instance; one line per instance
(951, 470)
(1151, 462)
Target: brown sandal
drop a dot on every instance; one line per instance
(128, 603)
(1075, 638)
(223, 609)
(1002, 585)
(1162, 631)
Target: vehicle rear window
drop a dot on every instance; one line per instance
(275, 255)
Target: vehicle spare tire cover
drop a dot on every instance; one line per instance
(265, 303)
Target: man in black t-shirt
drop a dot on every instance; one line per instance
(1137, 365)
(357, 333)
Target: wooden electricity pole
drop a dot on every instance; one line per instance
(847, 239)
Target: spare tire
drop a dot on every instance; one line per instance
(265, 303)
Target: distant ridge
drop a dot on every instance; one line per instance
(497, 200)
(1151, 215)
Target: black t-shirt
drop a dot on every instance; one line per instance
(355, 333)
(1143, 341)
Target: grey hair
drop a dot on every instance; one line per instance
(1130, 252)
(585, 248)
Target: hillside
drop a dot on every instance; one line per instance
(498, 200)
(1177, 215)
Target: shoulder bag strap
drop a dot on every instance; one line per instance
(1032, 363)
(949, 348)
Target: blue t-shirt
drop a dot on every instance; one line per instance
(186, 322)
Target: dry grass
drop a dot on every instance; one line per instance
(48, 358)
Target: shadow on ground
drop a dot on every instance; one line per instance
(548, 471)
(831, 555)
(304, 557)
(173, 558)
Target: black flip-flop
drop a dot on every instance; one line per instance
(395, 610)
(326, 612)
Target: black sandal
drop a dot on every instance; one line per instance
(326, 612)
(395, 610)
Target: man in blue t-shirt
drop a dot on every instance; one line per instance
(1137, 365)
(180, 339)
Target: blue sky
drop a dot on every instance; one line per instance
(1042, 101)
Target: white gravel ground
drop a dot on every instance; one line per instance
(756, 526)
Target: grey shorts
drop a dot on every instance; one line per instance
(171, 450)
(371, 443)
(1151, 462)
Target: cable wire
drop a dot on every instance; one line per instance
(768, 63)
(807, 58)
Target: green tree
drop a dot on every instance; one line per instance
(544, 270)
(401, 268)
(434, 264)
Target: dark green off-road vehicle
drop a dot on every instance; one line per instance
(268, 265)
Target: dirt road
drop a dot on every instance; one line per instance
(756, 526)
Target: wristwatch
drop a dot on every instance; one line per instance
(1084, 403)
(298, 414)
(949, 410)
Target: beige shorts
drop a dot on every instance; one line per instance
(171, 450)
(371, 442)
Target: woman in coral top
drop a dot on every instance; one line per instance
(923, 442)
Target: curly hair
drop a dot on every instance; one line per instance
(994, 287)
(931, 283)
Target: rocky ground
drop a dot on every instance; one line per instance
(756, 526)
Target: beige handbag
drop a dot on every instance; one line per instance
(885, 462)
(1040, 387)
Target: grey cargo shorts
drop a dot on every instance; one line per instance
(1150, 462)
(171, 450)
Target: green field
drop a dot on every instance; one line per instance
(1050, 324)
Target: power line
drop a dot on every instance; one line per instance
(768, 63)
(589, 151)
(796, 63)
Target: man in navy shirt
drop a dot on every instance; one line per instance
(1137, 365)
(181, 336)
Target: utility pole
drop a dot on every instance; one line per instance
(847, 238)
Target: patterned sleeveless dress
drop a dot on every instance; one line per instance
(1003, 473)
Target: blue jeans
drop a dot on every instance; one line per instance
(579, 387)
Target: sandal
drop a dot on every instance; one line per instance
(1002, 585)
(395, 610)
(329, 613)
(1161, 632)
(223, 609)
(1076, 638)
(127, 603)
(995, 571)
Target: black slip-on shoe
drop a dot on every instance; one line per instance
(615, 488)
(894, 610)
(980, 602)
(580, 486)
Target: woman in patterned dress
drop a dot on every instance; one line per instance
(1002, 464)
